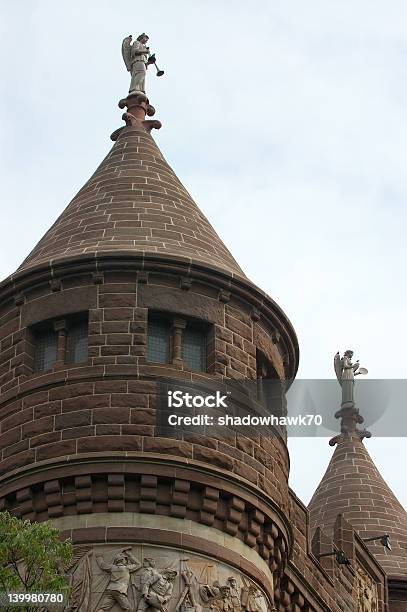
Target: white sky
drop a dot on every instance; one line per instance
(286, 120)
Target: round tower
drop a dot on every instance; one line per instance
(131, 287)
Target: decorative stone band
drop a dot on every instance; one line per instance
(185, 573)
(174, 543)
(205, 496)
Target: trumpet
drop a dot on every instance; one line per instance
(152, 60)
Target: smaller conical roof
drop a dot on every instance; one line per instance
(353, 486)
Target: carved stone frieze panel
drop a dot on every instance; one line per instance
(151, 579)
(367, 596)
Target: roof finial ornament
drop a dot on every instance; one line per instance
(137, 57)
(346, 371)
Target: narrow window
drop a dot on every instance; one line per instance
(158, 343)
(194, 349)
(77, 342)
(60, 341)
(46, 349)
(269, 389)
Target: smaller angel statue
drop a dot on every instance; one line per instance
(137, 58)
(345, 372)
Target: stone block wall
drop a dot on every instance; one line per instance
(109, 403)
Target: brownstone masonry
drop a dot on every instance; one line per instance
(130, 267)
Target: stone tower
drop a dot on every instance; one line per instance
(129, 286)
(130, 290)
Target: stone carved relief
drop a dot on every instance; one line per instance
(366, 592)
(80, 575)
(150, 579)
(231, 597)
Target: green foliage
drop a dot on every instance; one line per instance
(32, 557)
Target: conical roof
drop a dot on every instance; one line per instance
(353, 486)
(133, 203)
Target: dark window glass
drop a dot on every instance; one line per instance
(158, 343)
(77, 342)
(46, 350)
(269, 389)
(194, 349)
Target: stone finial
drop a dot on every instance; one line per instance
(346, 371)
(138, 107)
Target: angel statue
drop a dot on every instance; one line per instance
(137, 58)
(345, 372)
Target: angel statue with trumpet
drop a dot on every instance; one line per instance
(345, 372)
(137, 57)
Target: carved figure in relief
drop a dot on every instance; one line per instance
(252, 599)
(188, 601)
(235, 594)
(147, 574)
(218, 598)
(211, 596)
(156, 587)
(116, 592)
(226, 600)
(152, 589)
(367, 592)
(231, 597)
(80, 578)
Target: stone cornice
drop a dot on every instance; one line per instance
(139, 463)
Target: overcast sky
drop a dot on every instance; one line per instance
(286, 120)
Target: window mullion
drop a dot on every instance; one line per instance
(178, 326)
(60, 328)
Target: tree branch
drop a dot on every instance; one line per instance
(16, 570)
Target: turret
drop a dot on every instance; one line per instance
(132, 286)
